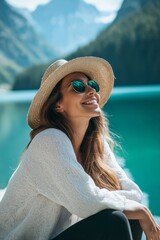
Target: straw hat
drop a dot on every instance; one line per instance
(95, 68)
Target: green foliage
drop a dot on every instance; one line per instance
(131, 45)
(8, 69)
(30, 78)
(21, 45)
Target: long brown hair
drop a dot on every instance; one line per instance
(92, 147)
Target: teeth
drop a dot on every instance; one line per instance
(91, 102)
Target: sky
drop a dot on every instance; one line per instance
(109, 5)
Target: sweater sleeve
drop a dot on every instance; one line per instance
(129, 188)
(52, 168)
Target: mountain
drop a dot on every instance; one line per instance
(20, 44)
(69, 24)
(131, 43)
(128, 7)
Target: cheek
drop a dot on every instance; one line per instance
(71, 100)
(98, 97)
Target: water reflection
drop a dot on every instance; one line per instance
(134, 115)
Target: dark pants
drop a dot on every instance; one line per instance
(106, 225)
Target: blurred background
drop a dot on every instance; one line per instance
(124, 32)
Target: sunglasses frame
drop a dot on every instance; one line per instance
(96, 88)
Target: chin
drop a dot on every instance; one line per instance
(97, 113)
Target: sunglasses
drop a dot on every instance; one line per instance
(80, 87)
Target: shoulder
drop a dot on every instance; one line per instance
(51, 133)
(51, 146)
(50, 136)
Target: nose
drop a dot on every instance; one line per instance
(90, 91)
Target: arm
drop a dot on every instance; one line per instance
(129, 189)
(53, 170)
(135, 210)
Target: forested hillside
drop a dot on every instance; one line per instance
(20, 44)
(130, 44)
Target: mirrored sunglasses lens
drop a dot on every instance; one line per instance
(79, 86)
(94, 85)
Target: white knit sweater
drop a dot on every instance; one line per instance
(50, 191)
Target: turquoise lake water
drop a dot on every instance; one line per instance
(134, 114)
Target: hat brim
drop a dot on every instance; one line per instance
(95, 68)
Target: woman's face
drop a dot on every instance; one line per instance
(78, 105)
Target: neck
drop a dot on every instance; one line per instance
(79, 130)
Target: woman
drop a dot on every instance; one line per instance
(68, 184)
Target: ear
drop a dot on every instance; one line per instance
(59, 108)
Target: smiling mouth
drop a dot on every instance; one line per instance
(90, 102)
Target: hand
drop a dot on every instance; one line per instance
(149, 226)
(135, 210)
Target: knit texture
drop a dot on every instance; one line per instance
(50, 191)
